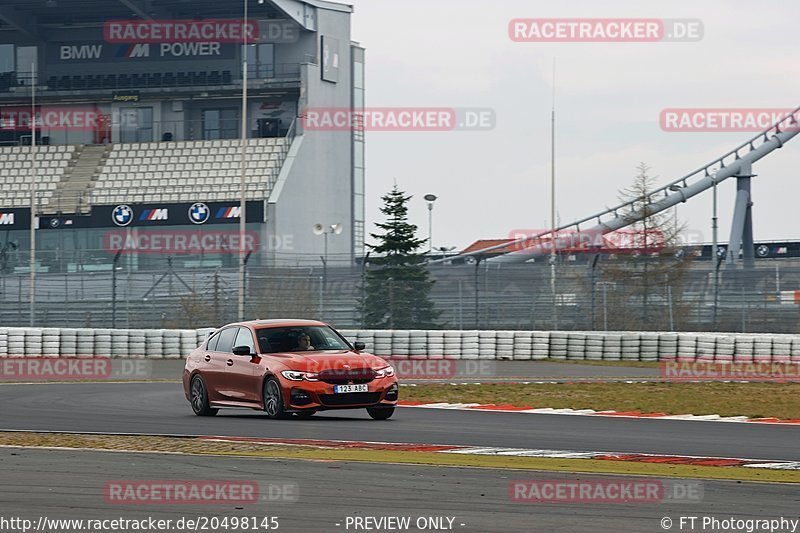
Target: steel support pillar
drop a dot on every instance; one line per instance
(742, 227)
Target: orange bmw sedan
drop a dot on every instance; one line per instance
(287, 367)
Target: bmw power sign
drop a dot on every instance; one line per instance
(122, 215)
(199, 213)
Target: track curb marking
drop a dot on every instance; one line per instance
(667, 459)
(503, 408)
(689, 460)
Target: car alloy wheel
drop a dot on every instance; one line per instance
(199, 398)
(273, 399)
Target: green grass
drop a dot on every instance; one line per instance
(756, 400)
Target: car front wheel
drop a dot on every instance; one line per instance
(199, 398)
(273, 399)
(380, 413)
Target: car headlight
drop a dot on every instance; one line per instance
(294, 375)
(384, 372)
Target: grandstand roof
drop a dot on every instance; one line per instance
(29, 16)
(488, 243)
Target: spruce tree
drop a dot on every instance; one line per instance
(397, 282)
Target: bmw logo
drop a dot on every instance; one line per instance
(199, 213)
(122, 215)
(763, 250)
(54, 222)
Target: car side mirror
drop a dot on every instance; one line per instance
(358, 345)
(242, 350)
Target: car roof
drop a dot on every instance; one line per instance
(275, 323)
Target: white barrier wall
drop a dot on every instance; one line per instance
(428, 344)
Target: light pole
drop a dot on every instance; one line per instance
(243, 182)
(430, 198)
(114, 268)
(34, 191)
(553, 257)
(243, 191)
(445, 250)
(676, 188)
(320, 229)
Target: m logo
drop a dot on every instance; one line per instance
(139, 50)
(229, 212)
(133, 51)
(151, 215)
(6, 219)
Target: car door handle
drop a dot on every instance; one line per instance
(230, 362)
(208, 358)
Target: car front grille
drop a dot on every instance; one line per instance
(352, 398)
(353, 376)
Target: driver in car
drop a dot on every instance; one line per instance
(303, 343)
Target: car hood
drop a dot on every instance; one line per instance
(329, 360)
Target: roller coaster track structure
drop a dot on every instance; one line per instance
(736, 163)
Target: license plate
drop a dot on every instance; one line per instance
(343, 389)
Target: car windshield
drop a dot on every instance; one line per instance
(299, 339)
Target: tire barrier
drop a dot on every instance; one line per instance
(594, 347)
(522, 346)
(612, 347)
(428, 344)
(541, 345)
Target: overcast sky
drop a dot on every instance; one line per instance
(457, 53)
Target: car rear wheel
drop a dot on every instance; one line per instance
(380, 413)
(199, 398)
(273, 399)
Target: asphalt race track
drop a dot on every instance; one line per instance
(70, 485)
(160, 408)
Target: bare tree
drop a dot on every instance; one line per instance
(648, 272)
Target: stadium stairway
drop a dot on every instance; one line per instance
(69, 196)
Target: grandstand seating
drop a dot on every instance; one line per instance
(147, 172)
(15, 172)
(187, 170)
